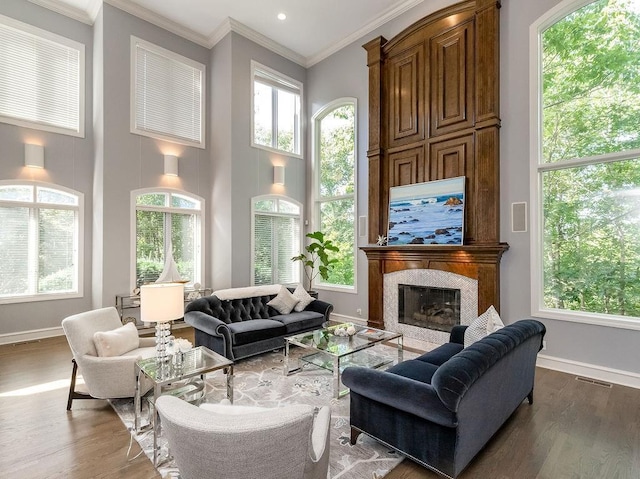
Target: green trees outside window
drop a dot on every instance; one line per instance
(335, 173)
(588, 164)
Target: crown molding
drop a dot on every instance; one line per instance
(159, 21)
(260, 39)
(380, 20)
(88, 17)
(64, 9)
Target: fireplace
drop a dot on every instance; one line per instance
(474, 269)
(411, 285)
(428, 307)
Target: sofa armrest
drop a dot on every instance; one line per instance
(399, 392)
(457, 334)
(206, 323)
(321, 307)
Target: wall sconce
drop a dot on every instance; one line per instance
(278, 175)
(34, 156)
(171, 165)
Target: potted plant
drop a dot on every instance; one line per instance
(316, 259)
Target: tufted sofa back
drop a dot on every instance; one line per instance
(234, 310)
(455, 377)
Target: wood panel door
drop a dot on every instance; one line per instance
(452, 80)
(406, 167)
(406, 104)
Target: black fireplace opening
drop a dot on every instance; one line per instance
(428, 307)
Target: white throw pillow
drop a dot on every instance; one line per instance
(117, 341)
(487, 323)
(304, 299)
(284, 302)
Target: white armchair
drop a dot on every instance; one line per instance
(104, 376)
(228, 442)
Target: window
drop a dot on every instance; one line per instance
(41, 79)
(275, 230)
(276, 111)
(586, 155)
(167, 95)
(168, 221)
(334, 179)
(40, 242)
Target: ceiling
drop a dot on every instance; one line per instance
(313, 29)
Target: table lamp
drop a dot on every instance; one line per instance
(160, 304)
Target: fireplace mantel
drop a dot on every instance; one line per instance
(480, 262)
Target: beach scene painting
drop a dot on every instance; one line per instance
(430, 213)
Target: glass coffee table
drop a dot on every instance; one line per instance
(184, 379)
(335, 353)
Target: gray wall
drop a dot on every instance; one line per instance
(241, 171)
(68, 162)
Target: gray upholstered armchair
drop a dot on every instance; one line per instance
(228, 442)
(108, 376)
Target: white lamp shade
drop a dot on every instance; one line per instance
(170, 165)
(160, 303)
(278, 175)
(34, 156)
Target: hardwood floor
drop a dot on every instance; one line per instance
(573, 430)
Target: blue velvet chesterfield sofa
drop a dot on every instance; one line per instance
(241, 324)
(441, 408)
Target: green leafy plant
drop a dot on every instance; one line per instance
(316, 259)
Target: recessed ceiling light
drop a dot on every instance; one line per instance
(282, 16)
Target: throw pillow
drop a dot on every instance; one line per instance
(487, 323)
(117, 341)
(304, 299)
(284, 301)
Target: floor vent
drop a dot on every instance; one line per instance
(595, 382)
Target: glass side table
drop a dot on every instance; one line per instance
(182, 378)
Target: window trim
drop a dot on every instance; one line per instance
(134, 42)
(165, 209)
(293, 84)
(315, 190)
(288, 199)
(67, 42)
(538, 167)
(79, 240)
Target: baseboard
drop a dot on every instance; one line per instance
(343, 318)
(34, 335)
(601, 373)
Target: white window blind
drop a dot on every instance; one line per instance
(167, 95)
(39, 243)
(276, 239)
(41, 79)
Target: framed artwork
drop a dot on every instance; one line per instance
(430, 213)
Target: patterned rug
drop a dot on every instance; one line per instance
(259, 381)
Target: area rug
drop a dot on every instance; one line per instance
(259, 381)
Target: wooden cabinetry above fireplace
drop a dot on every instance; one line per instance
(434, 114)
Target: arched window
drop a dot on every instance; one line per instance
(275, 234)
(334, 190)
(168, 234)
(586, 158)
(41, 242)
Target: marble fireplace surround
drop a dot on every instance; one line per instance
(435, 279)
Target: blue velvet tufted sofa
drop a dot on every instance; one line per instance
(441, 408)
(242, 324)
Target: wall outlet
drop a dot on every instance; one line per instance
(544, 344)
(359, 311)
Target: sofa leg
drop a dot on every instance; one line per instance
(354, 435)
(530, 397)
